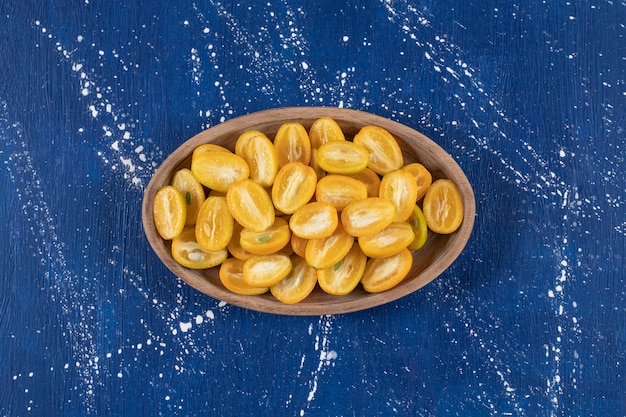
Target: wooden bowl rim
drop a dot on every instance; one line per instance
(329, 304)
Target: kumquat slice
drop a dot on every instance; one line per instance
(244, 138)
(340, 190)
(371, 181)
(389, 241)
(345, 275)
(268, 241)
(292, 144)
(368, 216)
(420, 228)
(319, 171)
(215, 225)
(208, 147)
(170, 212)
(234, 245)
(400, 188)
(383, 274)
(323, 130)
(298, 245)
(250, 205)
(231, 276)
(298, 284)
(293, 187)
(193, 192)
(266, 270)
(443, 207)
(187, 252)
(314, 220)
(260, 155)
(384, 152)
(342, 157)
(423, 178)
(326, 252)
(218, 170)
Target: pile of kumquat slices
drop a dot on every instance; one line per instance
(304, 209)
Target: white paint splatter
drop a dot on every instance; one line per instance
(136, 168)
(66, 288)
(326, 355)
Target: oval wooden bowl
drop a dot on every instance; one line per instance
(428, 262)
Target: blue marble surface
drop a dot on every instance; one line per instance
(529, 98)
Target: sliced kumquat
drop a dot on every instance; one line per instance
(250, 205)
(323, 130)
(326, 252)
(423, 178)
(298, 244)
(298, 284)
(383, 274)
(389, 241)
(292, 144)
(218, 170)
(215, 225)
(314, 220)
(193, 192)
(420, 229)
(169, 210)
(443, 207)
(208, 147)
(231, 276)
(234, 245)
(340, 190)
(368, 216)
(370, 179)
(245, 137)
(268, 241)
(400, 188)
(345, 275)
(384, 152)
(293, 187)
(266, 270)
(260, 155)
(342, 157)
(187, 252)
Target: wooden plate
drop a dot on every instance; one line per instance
(429, 262)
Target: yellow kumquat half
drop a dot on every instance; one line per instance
(323, 130)
(268, 241)
(340, 190)
(266, 270)
(345, 275)
(298, 284)
(400, 188)
(314, 220)
(215, 225)
(383, 274)
(292, 144)
(250, 205)
(384, 152)
(218, 170)
(423, 178)
(170, 212)
(443, 207)
(187, 252)
(192, 191)
(231, 276)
